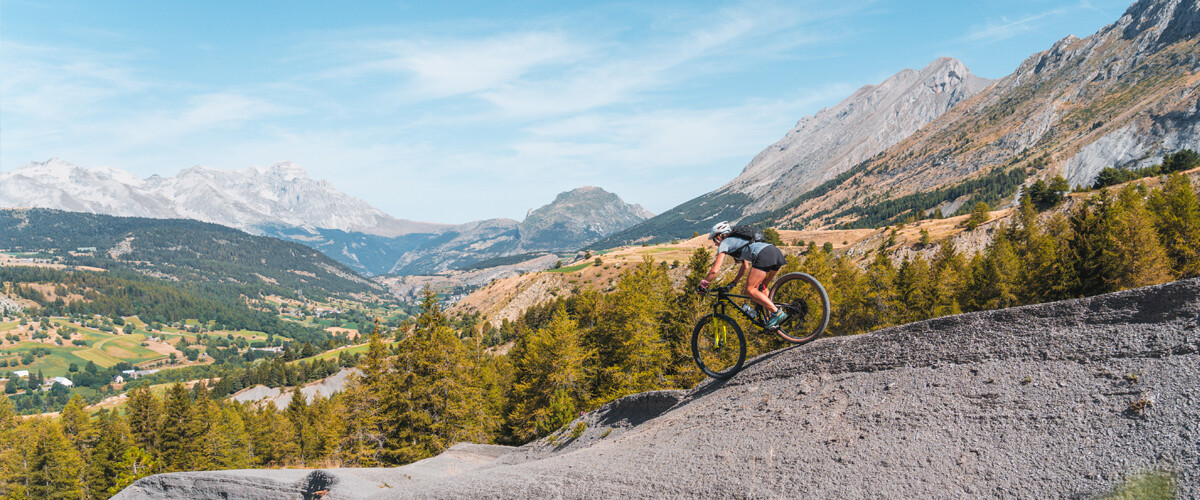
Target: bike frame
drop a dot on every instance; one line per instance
(726, 298)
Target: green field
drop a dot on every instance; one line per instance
(358, 349)
(104, 349)
(570, 269)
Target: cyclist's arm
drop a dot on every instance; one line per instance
(712, 271)
(741, 271)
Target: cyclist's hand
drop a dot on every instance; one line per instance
(701, 290)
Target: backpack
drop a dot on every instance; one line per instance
(751, 234)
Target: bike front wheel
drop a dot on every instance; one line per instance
(718, 346)
(807, 305)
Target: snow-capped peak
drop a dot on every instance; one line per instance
(281, 194)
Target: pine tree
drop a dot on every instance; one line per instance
(8, 415)
(915, 284)
(549, 378)
(328, 427)
(144, 413)
(1131, 255)
(77, 425)
(55, 466)
(1041, 278)
(106, 457)
(683, 309)
(993, 276)
(850, 314)
(631, 350)
(297, 414)
(364, 439)
(135, 464)
(979, 215)
(433, 399)
(948, 280)
(1177, 219)
(176, 440)
(882, 301)
(1082, 255)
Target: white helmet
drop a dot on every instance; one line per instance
(721, 228)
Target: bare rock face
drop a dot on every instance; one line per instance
(577, 218)
(872, 119)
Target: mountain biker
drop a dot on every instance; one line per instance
(761, 259)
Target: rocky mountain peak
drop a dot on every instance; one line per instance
(54, 170)
(287, 171)
(1167, 21)
(576, 218)
(835, 139)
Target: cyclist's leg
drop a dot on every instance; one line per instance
(759, 296)
(766, 283)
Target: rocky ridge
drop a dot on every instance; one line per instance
(1058, 400)
(1121, 97)
(819, 148)
(835, 139)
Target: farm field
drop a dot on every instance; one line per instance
(104, 349)
(140, 347)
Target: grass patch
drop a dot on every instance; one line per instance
(571, 269)
(1147, 485)
(101, 358)
(358, 349)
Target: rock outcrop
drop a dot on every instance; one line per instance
(1058, 400)
(872, 119)
(576, 219)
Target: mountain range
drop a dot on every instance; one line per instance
(940, 140)
(819, 148)
(284, 202)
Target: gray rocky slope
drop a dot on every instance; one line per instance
(873, 118)
(1030, 402)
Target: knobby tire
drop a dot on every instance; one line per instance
(804, 300)
(719, 353)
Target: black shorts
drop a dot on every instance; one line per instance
(769, 259)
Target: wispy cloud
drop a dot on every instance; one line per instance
(544, 73)
(1004, 28)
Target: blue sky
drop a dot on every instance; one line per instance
(458, 111)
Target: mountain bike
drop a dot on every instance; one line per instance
(718, 345)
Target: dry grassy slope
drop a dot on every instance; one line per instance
(508, 298)
(1055, 104)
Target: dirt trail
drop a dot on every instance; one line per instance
(1030, 402)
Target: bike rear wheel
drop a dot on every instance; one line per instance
(718, 346)
(807, 305)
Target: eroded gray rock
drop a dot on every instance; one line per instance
(1039, 401)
